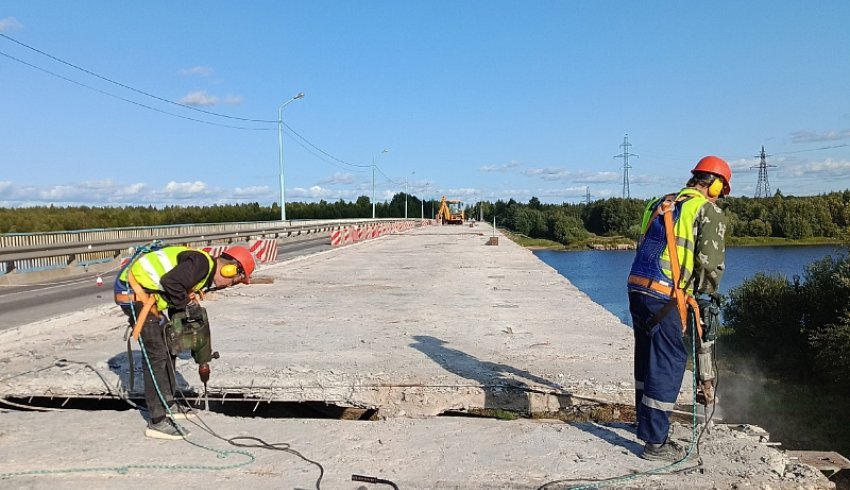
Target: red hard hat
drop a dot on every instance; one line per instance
(717, 166)
(245, 259)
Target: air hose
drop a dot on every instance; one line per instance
(666, 469)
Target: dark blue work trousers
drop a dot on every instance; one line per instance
(660, 359)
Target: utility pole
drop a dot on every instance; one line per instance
(625, 156)
(763, 185)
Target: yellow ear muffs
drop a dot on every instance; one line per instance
(715, 188)
(229, 270)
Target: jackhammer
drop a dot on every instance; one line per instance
(709, 318)
(190, 330)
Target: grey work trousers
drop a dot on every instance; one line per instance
(162, 363)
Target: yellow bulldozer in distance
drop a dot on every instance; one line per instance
(451, 211)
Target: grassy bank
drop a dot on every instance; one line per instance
(619, 242)
(592, 242)
(747, 241)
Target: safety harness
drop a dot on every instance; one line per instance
(679, 296)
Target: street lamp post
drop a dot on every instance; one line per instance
(406, 195)
(373, 180)
(280, 151)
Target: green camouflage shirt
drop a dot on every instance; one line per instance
(709, 248)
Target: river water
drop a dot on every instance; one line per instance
(601, 274)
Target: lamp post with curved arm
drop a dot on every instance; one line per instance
(406, 195)
(373, 180)
(280, 151)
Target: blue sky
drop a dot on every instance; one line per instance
(474, 99)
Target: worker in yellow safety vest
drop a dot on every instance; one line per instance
(680, 254)
(151, 289)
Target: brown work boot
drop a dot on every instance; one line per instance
(669, 451)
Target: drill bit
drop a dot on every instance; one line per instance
(206, 399)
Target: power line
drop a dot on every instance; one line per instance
(812, 149)
(142, 92)
(103, 92)
(323, 151)
(306, 142)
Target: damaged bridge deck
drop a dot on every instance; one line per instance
(417, 323)
(408, 326)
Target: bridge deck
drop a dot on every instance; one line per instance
(413, 324)
(416, 323)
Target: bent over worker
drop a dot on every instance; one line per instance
(680, 253)
(151, 289)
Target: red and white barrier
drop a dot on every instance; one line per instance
(214, 250)
(264, 249)
(352, 234)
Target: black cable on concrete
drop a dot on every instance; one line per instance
(372, 479)
(261, 444)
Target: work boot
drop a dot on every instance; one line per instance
(668, 451)
(166, 429)
(181, 412)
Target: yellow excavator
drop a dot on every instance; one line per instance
(451, 211)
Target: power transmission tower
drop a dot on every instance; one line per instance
(625, 156)
(587, 194)
(763, 186)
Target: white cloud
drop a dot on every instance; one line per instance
(201, 71)
(233, 99)
(507, 167)
(338, 178)
(10, 24)
(253, 191)
(825, 169)
(811, 137)
(183, 190)
(315, 192)
(560, 174)
(199, 98)
(549, 173)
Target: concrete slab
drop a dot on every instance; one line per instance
(413, 325)
(95, 448)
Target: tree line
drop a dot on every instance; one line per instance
(826, 215)
(58, 218)
(780, 216)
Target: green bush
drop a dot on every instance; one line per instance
(800, 328)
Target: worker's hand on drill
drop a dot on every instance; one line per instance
(194, 312)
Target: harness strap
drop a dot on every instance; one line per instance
(149, 303)
(681, 297)
(132, 365)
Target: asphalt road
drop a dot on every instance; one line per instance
(24, 304)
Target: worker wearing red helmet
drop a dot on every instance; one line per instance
(151, 289)
(680, 254)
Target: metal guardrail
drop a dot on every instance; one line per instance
(25, 252)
